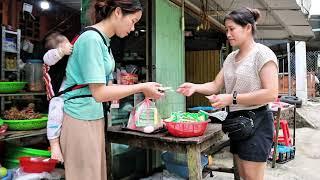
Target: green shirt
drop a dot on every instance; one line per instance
(90, 62)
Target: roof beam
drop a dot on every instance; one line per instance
(197, 11)
(265, 4)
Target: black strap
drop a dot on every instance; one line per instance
(79, 96)
(76, 86)
(71, 88)
(96, 30)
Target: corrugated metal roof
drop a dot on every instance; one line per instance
(280, 19)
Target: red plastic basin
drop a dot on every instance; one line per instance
(37, 164)
(186, 129)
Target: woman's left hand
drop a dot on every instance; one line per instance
(220, 100)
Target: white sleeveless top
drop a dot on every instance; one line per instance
(243, 76)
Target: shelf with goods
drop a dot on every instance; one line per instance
(10, 52)
(10, 71)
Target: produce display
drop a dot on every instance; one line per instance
(26, 113)
(185, 124)
(187, 117)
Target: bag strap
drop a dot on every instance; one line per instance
(96, 30)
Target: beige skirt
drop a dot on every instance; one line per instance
(83, 149)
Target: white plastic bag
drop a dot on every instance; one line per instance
(145, 117)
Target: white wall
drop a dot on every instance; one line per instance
(315, 10)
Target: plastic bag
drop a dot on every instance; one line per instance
(145, 117)
(21, 175)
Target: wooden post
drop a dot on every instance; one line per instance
(194, 162)
(5, 15)
(13, 14)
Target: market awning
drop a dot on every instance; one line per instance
(315, 23)
(280, 19)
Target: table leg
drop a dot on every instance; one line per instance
(109, 160)
(194, 162)
(275, 147)
(236, 174)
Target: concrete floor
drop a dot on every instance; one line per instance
(305, 166)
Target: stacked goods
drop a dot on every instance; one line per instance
(26, 113)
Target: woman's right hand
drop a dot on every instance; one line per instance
(187, 89)
(151, 90)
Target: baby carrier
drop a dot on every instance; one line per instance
(53, 76)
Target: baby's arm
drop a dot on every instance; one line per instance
(52, 56)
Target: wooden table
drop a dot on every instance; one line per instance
(165, 142)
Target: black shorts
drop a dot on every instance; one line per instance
(257, 147)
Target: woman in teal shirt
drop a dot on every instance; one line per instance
(82, 136)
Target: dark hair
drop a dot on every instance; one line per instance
(244, 16)
(102, 9)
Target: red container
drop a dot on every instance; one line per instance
(186, 129)
(128, 78)
(37, 164)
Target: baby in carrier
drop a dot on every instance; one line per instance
(55, 61)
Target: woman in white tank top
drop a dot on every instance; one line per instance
(250, 77)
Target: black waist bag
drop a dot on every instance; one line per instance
(242, 125)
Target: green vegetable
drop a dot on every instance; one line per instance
(187, 117)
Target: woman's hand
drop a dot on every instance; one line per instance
(220, 100)
(151, 90)
(187, 89)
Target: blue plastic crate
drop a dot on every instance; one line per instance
(284, 153)
(180, 168)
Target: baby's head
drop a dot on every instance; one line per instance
(54, 40)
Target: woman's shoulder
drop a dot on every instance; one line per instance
(90, 35)
(231, 56)
(264, 50)
(263, 55)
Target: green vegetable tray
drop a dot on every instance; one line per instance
(11, 87)
(29, 124)
(15, 152)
